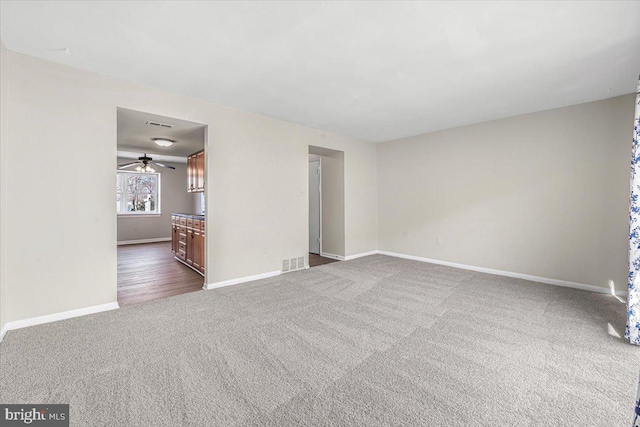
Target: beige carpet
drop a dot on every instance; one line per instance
(373, 341)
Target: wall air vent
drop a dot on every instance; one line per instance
(162, 125)
(293, 264)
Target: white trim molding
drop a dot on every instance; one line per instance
(556, 282)
(360, 255)
(332, 256)
(237, 281)
(33, 321)
(137, 242)
(3, 332)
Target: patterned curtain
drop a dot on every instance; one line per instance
(633, 301)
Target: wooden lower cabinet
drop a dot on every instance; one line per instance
(174, 238)
(187, 241)
(197, 247)
(198, 250)
(202, 251)
(190, 254)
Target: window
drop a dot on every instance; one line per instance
(138, 193)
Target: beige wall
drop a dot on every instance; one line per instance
(257, 175)
(544, 194)
(173, 198)
(3, 180)
(332, 199)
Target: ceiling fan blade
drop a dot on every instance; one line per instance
(163, 166)
(128, 165)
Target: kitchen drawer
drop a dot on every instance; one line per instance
(182, 250)
(182, 238)
(189, 222)
(183, 220)
(174, 219)
(202, 225)
(196, 224)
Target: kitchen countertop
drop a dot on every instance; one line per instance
(199, 216)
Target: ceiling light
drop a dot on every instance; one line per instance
(145, 168)
(163, 142)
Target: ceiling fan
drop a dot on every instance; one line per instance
(144, 164)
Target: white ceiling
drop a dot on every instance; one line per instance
(371, 70)
(134, 134)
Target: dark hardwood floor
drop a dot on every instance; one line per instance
(316, 260)
(149, 271)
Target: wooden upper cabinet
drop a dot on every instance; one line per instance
(200, 171)
(190, 183)
(195, 172)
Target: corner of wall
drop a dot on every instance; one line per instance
(4, 78)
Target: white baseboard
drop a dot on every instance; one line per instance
(332, 256)
(246, 279)
(360, 255)
(137, 242)
(32, 321)
(556, 282)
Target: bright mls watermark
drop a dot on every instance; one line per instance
(34, 415)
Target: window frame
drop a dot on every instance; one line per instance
(139, 214)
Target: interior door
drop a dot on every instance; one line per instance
(315, 206)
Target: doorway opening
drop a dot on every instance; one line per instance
(160, 205)
(326, 206)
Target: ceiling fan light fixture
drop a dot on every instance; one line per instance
(144, 164)
(163, 142)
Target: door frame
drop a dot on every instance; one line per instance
(319, 160)
(206, 149)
